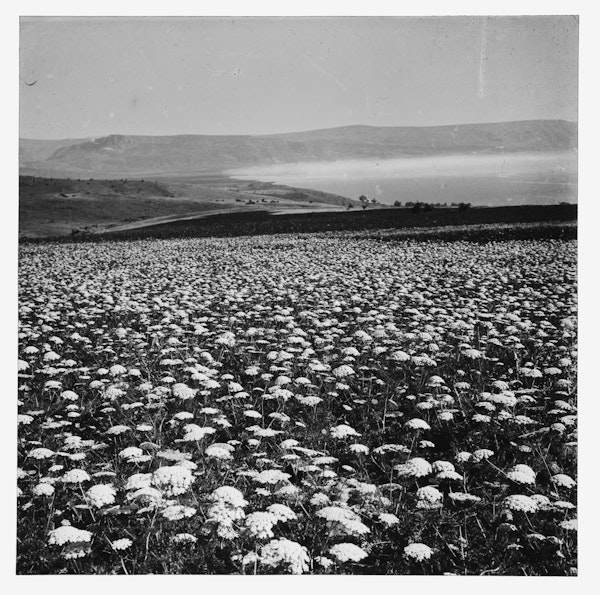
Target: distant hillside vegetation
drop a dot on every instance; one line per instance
(120, 155)
(33, 186)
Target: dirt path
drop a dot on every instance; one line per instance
(273, 210)
(170, 219)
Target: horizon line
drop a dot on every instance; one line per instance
(88, 138)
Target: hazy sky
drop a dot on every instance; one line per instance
(98, 76)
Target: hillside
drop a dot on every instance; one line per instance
(55, 207)
(123, 155)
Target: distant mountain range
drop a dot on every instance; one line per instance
(135, 156)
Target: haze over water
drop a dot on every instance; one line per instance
(544, 177)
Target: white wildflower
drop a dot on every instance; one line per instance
(101, 495)
(283, 552)
(563, 481)
(520, 503)
(429, 498)
(76, 476)
(282, 512)
(343, 431)
(43, 489)
(388, 519)
(418, 552)
(121, 544)
(417, 424)
(347, 552)
(173, 481)
(229, 495)
(260, 524)
(415, 467)
(41, 453)
(68, 534)
(177, 512)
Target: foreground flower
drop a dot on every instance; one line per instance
(563, 481)
(68, 534)
(416, 467)
(418, 552)
(133, 454)
(116, 430)
(229, 495)
(282, 512)
(283, 552)
(76, 476)
(343, 371)
(43, 489)
(121, 544)
(522, 474)
(72, 551)
(184, 538)
(101, 495)
(464, 498)
(219, 451)
(343, 431)
(177, 512)
(41, 453)
(195, 433)
(359, 449)
(343, 521)
(429, 498)
(482, 454)
(417, 424)
(388, 519)
(347, 552)
(173, 481)
(260, 524)
(520, 503)
(271, 477)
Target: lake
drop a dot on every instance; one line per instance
(499, 179)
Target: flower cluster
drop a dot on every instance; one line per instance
(323, 403)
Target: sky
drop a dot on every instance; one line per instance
(94, 76)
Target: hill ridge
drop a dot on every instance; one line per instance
(118, 155)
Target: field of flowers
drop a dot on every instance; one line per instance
(285, 404)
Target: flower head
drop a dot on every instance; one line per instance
(520, 503)
(260, 524)
(121, 544)
(76, 476)
(564, 481)
(173, 481)
(429, 498)
(416, 467)
(229, 495)
(101, 495)
(347, 552)
(288, 554)
(419, 552)
(282, 512)
(343, 431)
(68, 534)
